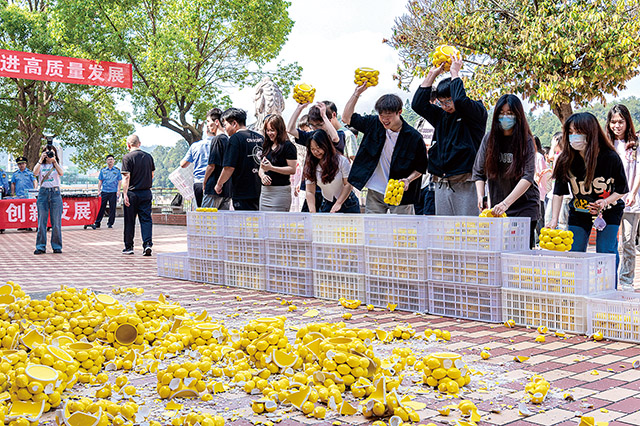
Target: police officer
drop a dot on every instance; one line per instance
(109, 187)
(4, 185)
(23, 179)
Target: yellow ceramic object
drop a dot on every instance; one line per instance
(303, 93)
(367, 75)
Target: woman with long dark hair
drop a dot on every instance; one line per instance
(279, 158)
(622, 133)
(327, 168)
(506, 160)
(49, 202)
(590, 169)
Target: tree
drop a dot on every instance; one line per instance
(409, 115)
(166, 160)
(185, 54)
(551, 52)
(84, 117)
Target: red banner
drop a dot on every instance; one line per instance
(33, 66)
(23, 213)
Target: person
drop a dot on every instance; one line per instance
(554, 152)
(109, 187)
(137, 172)
(621, 131)
(198, 154)
(590, 169)
(327, 169)
(390, 149)
(425, 204)
(459, 126)
(49, 201)
(279, 159)
(543, 171)
(5, 188)
(23, 179)
(506, 161)
(241, 161)
(219, 145)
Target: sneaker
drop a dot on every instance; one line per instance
(109, 226)
(147, 251)
(38, 251)
(127, 251)
(95, 226)
(57, 250)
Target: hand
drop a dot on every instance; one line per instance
(456, 65)
(322, 107)
(125, 200)
(43, 157)
(218, 188)
(630, 201)
(360, 89)
(480, 204)
(437, 70)
(266, 164)
(553, 224)
(266, 180)
(499, 208)
(117, 196)
(303, 106)
(336, 207)
(597, 206)
(406, 182)
(296, 191)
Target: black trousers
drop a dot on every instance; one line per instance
(112, 199)
(251, 204)
(199, 193)
(140, 207)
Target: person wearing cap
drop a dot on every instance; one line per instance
(4, 185)
(23, 179)
(109, 186)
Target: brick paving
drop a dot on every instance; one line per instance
(598, 374)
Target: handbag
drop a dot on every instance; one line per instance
(177, 200)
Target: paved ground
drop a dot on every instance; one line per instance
(598, 374)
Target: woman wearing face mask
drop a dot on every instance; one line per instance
(328, 169)
(49, 201)
(590, 169)
(506, 161)
(621, 131)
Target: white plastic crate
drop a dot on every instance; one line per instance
(408, 264)
(291, 281)
(182, 179)
(206, 270)
(344, 258)
(393, 230)
(478, 233)
(204, 247)
(245, 275)
(247, 250)
(208, 224)
(556, 311)
(467, 301)
(289, 226)
(407, 295)
(559, 272)
(173, 265)
(289, 253)
(334, 285)
(338, 228)
(464, 266)
(616, 315)
(245, 224)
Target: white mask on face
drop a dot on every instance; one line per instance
(578, 142)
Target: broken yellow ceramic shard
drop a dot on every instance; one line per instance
(520, 358)
(298, 398)
(283, 359)
(346, 409)
(311, 313)
(392, 306)
(29, 410)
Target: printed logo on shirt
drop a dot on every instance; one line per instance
(256, 153)
(506, 157)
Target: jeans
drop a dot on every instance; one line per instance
(628, 236)
(111, 198)
(375, 204)
(214, 201)
(350, 205)
(606, 241)
(49, 205)
(319, 198)
(140, 206)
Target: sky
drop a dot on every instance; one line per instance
(330, 39)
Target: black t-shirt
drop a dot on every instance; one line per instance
(244, 153)
(608, 178)
(279, 158)
(304, 139)
(219, 146)
(139, 165)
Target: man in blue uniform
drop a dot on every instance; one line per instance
(22, 180)
(109, 186)
(4, 185)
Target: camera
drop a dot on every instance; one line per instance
(51, 152)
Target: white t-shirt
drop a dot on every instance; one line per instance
(630, 161)
(331, 191)
(380, 177)
(52, 181)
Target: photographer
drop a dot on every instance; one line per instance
(49, 201)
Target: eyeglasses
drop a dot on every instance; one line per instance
(444, 102)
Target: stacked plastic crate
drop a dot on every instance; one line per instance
(173, 265)
(288, 254)
(396, 259)
(338, 256)
(464, 272)
(205, 245)
(549, 288)
(615, 315)
(244, 251)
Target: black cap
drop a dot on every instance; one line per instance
(21, 160)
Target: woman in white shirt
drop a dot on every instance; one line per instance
(49, 201)
(622, 133)
(328, 169)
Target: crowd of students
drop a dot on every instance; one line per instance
(589, 175)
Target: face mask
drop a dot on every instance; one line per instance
(507, 122)
(578, 142)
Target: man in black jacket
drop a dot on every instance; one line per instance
(459, 124)
(390, 149)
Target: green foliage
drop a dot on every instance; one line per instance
(409, 115)
(184, 54)
(552, 53)
(166, 160)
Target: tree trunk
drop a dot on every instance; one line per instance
(33, 100)
(32, 147)
(562, 111)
